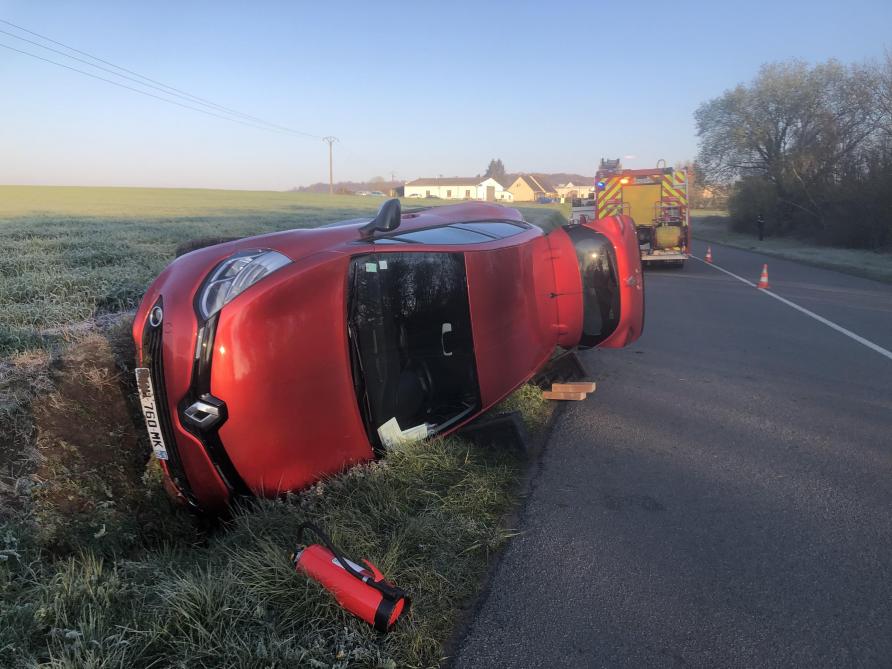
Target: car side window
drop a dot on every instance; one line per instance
(444, 235)
(495, 229)
(409, 325)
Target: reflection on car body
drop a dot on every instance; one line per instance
(290, 356)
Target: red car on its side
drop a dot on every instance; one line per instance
(271, 361)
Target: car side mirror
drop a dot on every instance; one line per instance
(388, 218)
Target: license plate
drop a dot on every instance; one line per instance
(150, 412)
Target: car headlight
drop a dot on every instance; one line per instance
(234, 275)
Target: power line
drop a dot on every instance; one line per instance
(137, 90)
(161, 87)
(97, 58)
(157, 85)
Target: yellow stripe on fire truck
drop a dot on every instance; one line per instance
(674, 190)
(610, 199)
(601, 201)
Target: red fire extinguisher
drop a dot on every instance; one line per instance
(363, 592)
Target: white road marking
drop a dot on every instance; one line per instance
(722, 269)
(830, 324)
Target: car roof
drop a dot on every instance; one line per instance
(428, 217)
(303, 242)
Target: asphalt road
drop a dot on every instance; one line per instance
(724, 499)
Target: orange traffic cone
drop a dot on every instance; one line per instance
(709, 254)
(763, 280)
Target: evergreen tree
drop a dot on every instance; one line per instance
(496, 169)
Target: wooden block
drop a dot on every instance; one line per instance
(574, 387)
(549, 395)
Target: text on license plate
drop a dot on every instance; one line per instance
(150, 412)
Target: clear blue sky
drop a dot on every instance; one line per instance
(419, 88)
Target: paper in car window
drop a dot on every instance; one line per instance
(392, 435)
(382, 264)
(371, 267)
(415, 433)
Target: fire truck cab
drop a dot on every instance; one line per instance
(656, 199)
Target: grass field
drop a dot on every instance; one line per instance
(97, 569)
(72, 254)
(712, 226)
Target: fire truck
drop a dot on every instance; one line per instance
(656, 199)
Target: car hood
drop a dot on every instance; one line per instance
(282, 365)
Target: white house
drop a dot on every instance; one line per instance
(570, 190)
(492, 190)
(458, 188)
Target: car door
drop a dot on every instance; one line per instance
(413, 352)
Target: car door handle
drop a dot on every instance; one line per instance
(446, 329)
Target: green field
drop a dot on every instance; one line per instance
(97, 568)
(71, 254)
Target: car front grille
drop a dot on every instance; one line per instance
(153, 358)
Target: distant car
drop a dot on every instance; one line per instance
(363, 192)
(413, 195)
(377, 193)
(545, 200)
(269, 362)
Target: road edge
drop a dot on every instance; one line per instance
(844, 268)
(522, 493)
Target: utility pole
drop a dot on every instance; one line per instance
(331, 139)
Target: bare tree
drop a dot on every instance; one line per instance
(799, 127)
(883, 83)
(792, 123)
